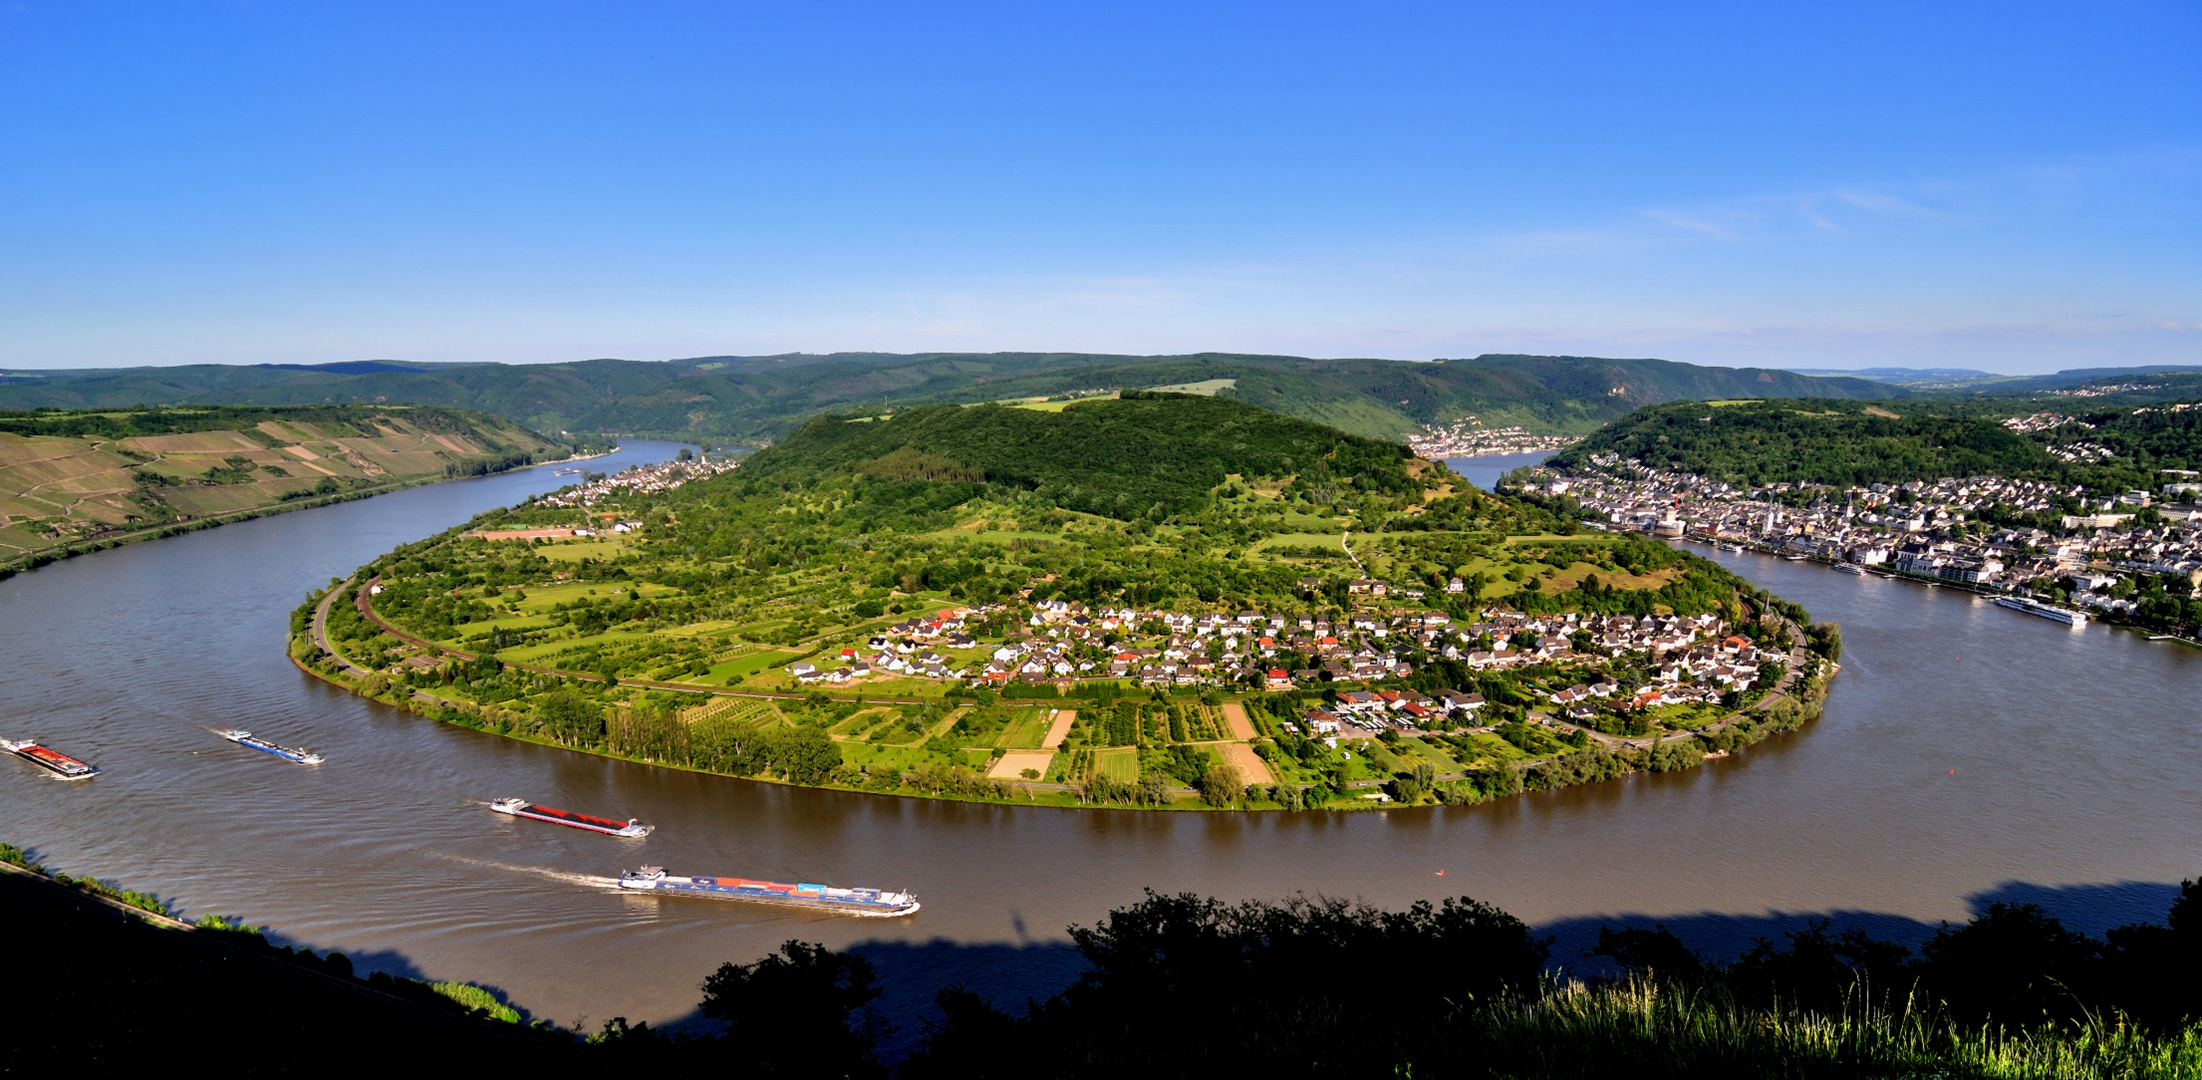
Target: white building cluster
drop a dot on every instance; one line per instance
(1467, 437)
(645, 479)
(1927, 528)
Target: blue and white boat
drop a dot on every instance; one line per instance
(287, 753)
(865, 903)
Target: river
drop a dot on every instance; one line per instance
(1968, 753)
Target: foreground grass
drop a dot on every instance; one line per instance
(1641, 1028)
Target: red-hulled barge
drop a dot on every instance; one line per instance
(68, 768)
(607, 826)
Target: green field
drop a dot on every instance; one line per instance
(1027, 728)
(1424, 751)
(577, 550)
(536, 654)
(1332, 541)
(1121, 765)
(747, 666)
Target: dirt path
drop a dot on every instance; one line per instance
(1234, 717)
(1060, 729)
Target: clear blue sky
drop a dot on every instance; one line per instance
(2010, 186)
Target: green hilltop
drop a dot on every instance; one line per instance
(1143, 454)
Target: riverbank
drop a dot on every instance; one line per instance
(1795, 700)
(88, 479)
(105, 541)
(1890, 573)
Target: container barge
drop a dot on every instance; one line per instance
(867, 903)
(68, 768)
(2036, 607)
(287, 753)
(607, 826)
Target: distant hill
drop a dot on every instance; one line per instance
(73, 478)
(1913, 378)
(2106, 449)
(1814, 441)
(752, 399)
(2099, 386)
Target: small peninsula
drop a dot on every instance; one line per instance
(1159, 601)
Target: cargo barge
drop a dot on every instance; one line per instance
(607, 826)
(866, 903)
(68, 768)
(287, 753)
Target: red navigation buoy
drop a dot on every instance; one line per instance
(1441, 873)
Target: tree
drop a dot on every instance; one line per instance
(806, 754)
(1221, 785)
(804, 1012)
(571, 716)
(2015, 964)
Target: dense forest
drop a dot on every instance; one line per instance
(737, 399)
(1754, 443)
(1147, 454)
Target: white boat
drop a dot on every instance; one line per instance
(287, 753)
(1849, 568)
(2032, 606)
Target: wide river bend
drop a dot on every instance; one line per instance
(1968, 753)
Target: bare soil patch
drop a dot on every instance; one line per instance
(1234, 715)
(1060, 729)
(1013, 764)
(1250, 765)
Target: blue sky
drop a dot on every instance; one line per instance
(2010, 186)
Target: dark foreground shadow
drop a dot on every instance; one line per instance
(1008, 975)
(2090, 909)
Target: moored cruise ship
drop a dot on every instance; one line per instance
(870, 903)
(2032, 606)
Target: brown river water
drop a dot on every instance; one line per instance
(1968, 754)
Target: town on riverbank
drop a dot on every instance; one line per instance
(2133, 556)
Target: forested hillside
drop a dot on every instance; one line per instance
(1151, 454)
(750, 399)
(75, 478)
(1848, 443)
